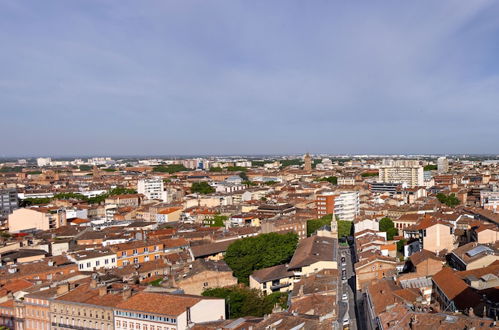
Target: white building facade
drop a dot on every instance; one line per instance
(152, 188)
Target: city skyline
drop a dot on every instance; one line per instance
(192, 78)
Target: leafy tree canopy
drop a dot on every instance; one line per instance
(344, 227)
(202, 188)
(449, 200)
(330, 179)
(85, 168)
(386, 225)
(173, 168)
(369, 174)
(243, 301)
(430, 168)
(266, 250)
(236, 169)
(217, 221)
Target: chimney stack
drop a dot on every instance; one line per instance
(127, 292)
(63, 288)
(102, 290)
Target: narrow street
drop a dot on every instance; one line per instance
(347, 286)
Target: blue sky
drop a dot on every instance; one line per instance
(248, 77)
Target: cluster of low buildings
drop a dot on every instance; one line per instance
(120, 244)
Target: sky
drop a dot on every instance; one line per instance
(121, 77)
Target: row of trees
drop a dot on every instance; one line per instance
(243, 301)
(173, 168)
(330, 179)
(91, 200)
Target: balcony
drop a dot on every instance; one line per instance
(279, 286)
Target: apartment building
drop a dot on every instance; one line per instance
(161, 311)
(152, 188)
(442, 165)
(137, 252)
(8, 202)
(282, 224)
(87, 306)
(36, 218)
(90, 260)
(345, 205)
(412, 176)
(133, 200)
(37, 309)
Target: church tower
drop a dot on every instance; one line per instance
(334, 226)
(308, 162)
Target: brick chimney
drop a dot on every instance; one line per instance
(63, 288)
(127, 292)
(102, 290)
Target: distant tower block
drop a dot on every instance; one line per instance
(308, 162)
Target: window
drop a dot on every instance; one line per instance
(135, 260)
(97, 263)
(123, 253)
(146, 249)
(89, 264)
(113, 260)
(106, 261)
(134, 251)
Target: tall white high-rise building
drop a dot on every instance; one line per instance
(442, 165)
(152, 188)
(43, 161)
(412, 176)
(343, 204)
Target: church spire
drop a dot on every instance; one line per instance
(334, 225)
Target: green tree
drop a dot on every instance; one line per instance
(244, 176)
(216, 169)
(218, 221)
(266, 250)
(330, 179)
(400, 245)
(314, 224)
(85, 168)
(270, 183)
(243, 301)
(202, 187)
(386, 225)
(289, 162)
(173, 168)
(35, 201)
(344, 227)
(369, 174)
(449, 200)
(236, 169)
(430, 168)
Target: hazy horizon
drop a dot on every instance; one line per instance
(263, 77)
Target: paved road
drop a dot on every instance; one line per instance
(348, 308)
